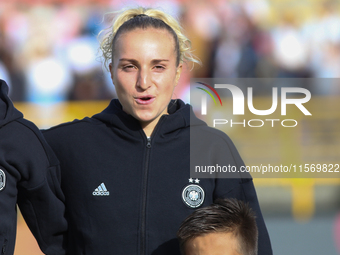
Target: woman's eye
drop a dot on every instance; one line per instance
(159, 67)
(128, 67)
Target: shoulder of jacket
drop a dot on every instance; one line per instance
(73, 124)
(216, 141)
(212, 133)
(40, 140)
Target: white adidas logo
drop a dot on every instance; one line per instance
(101, 191)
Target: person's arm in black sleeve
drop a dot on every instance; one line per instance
(40, 197)
(245, 191)
(8, 215)
(242, 188)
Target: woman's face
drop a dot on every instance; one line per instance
(144, 73)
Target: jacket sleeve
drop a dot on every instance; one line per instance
(8, 216)
(245, 191)
(242, 188)
(43, 212)
(40, 198)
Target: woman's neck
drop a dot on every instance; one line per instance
(148, 127)
(148, 131)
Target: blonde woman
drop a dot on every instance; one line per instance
(125, 171)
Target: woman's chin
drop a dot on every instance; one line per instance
(146, 119)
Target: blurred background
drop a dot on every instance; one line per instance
(49, 57)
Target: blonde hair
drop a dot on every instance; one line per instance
(145, 18)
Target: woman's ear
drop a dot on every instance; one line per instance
(178, 73)
(111, 71)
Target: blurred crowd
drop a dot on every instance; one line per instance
(49, 49)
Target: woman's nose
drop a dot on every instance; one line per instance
(143, 81)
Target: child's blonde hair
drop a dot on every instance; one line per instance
(145, 18)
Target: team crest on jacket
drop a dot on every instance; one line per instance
(193, 195)
(2, 180)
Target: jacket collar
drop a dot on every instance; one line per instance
(178, 117)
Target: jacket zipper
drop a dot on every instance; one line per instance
(143, 229)
(145, 185)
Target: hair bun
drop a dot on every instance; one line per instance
(141, 15)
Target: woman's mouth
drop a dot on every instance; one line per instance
(144, 100)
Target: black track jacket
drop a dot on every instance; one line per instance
(29, 177)
(125, 193)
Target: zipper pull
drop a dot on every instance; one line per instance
(148, 145)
